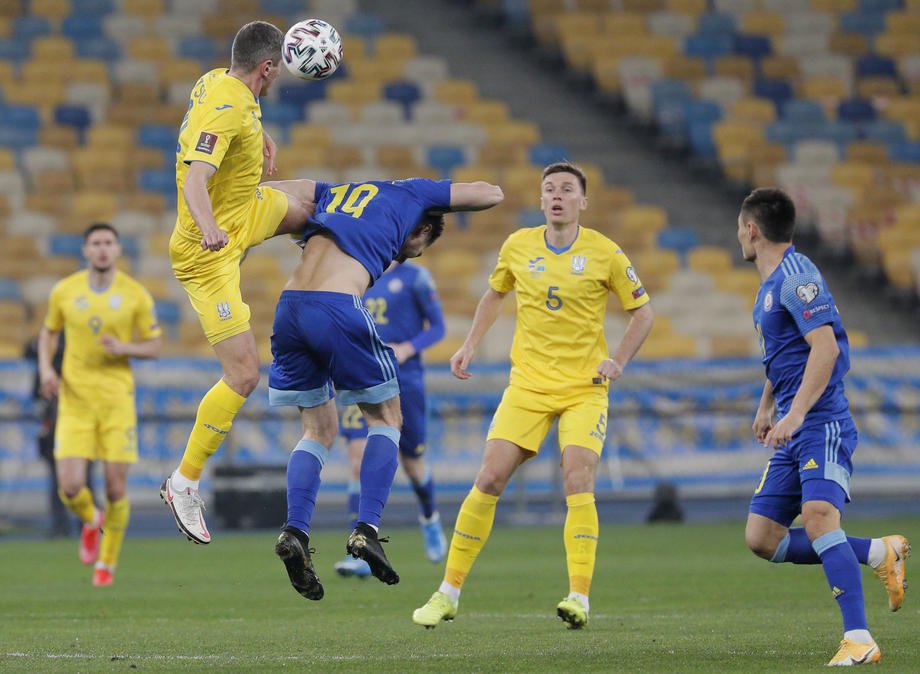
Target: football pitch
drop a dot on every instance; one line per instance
(665, 598)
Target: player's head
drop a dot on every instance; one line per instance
(772, 213)
(101, 246)
(563, 193)
(257, 48)
(426, 232)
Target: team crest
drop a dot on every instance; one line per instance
(768, 301)
(395, 285)
(578, 264)
(632, 276)
(536, 266)
(808, 292)
(81, 303)
(223, 310)
(114, 301)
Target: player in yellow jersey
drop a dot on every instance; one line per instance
(107, 318)
(563, 274)
(223, 210)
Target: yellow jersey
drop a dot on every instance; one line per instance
(90, 375)
(223, 127)
(561, 301)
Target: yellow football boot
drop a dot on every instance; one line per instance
(891, 572)
(439, 607)
(852, 653)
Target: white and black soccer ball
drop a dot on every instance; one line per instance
(312, 49)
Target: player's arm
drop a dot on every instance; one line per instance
(269, 152)
(143, 348)
(640, 324)
(49, 382)
(486, 312)
(763, 418)
(195, 191)
(818, 370)
(476, 196)
(426, 300)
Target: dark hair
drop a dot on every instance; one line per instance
(100, 226)
(567, 167)
(773, 211)
(436, 220)
(255, 42)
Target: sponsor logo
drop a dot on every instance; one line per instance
(768, 301)
(225, 106)
(217, 430)
(81, 303)
(807, 292)
(810, 465)
(808, 313)
(638, 292)
(536, 266)
(223, 310)
(631, 275)
(206, 142)
(259, 193)
(114, 301)
(578, 264)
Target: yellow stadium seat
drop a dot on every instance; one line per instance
(146, 202)
(741, 281)
(903, 21)
(376, 69)
(111, 136)
(738, 67)
(176, 70)
(752, 109)
(9, 10)
(355, 48)
(610, 197)
(897, 44)
(310, 135)
(93, 206)
(353, 94)
(53, 47)
(673, 345)
(709, 258)
(150, 48)
(763, 22)
(146, 8)
(647, 217)
(399, 159)
(655, 266)
(395, 45)
(643, 6)
(877, 87)
(869, 151)
(780, 67)
(513, 131)
(827, 90)
(614, 25)
(55, 135)
(692, 7)
(834, 6)
(858, 176)
(848, 44)
(480, 171)
(503, 153)
(487, 112)
(53, 182)
(605, 71)
(574, 26)
(456, 92)
(50, 9)
(684, 68)
(7, 160)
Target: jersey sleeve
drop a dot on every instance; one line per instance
(145, 316)
(432, 193)
(54, 319)
(502, 278)
(805, 297)
(624, 281)
(426, 297)
(212, 135)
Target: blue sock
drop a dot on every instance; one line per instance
(424, 490)
(844, 577)
(796, 548)
(378, 468)
(354, 496)
(303, 479)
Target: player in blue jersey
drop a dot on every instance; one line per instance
(405, 305)
(324, 340)
(804, 417)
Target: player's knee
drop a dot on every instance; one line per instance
(759, 545)
(114, 492)
(491, 482)
(243, 380)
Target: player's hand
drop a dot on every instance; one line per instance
(214, 238)
(610, 369)
(49, 384)
(269, 151)
(403, 351)
(783, 431)
(460, 361)
(113, 345)
(763, 424)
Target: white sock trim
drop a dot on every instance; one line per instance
(181, 483)
(583, 598)
(858, 636)
(450, 591)
(878, 550)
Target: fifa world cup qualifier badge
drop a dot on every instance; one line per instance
(206, 142)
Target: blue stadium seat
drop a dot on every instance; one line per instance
(842, 133)
(169, 315)
(100, 48)
(531, 217)
(874, 65)
(884, 130)
(92, 7)
(788, 133)
(679, 239)
(543, 154)
(803, 111)
(702, 111)
(856, 110)
(755, 47)
(716, 23)
(76, 116)
(281, 113)
(30, 27)
(14, 49)
(285, 7)
(403, 92)
(880, 5)
(163, 136)
(66, 244)
(778, 91)
(906, 151)
(198, 47)
(10, 289)
(445, 158)
(701, 140)
(668, 100)
(709, 46)
(17, 139)
(864, 23)
(158, 180)
(303, 93)
(364, 24)
(20, 117)
(130, 245)
(78, 27)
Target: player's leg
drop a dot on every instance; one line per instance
(117, 515)
(300, 204)
(76, 448)
(353, 428)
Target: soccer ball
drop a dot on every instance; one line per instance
(312, 49)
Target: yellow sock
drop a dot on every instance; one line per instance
(580, 536)
(216, 413)
(117, 514)
(81, 505)
(474, 523)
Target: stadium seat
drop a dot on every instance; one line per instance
(303, 93)
(101, 48)
(92, 7)
(406, 93)
(162, 181)
(754, 47)
(884, 130)
(856, 110)
(866, 23)
(77, 116)
(444, 158)
(679, 239)
(869, 65)
(158, 136)
(29, 27)
(905, 151)
(543, 154)
(708, 46)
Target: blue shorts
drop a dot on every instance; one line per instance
(321, 340)
(412, 404)
(815, 465)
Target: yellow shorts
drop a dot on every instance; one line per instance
(524, 418)
(107, 433)
(212, 278)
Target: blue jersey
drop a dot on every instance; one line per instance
(406, 308)
(370, 221)
(792, 302)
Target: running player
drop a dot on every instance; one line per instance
(804, 417)
(324, 336)
(222, 212)
(563, 274)
(404, 303)
(107, 318)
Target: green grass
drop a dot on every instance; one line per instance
(685, 598)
